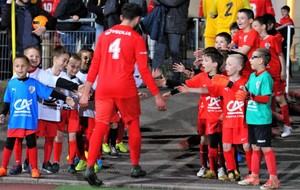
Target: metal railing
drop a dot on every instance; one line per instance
(75, 40)
(72, 40)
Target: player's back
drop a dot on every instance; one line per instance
(120, 47)
(227, 13)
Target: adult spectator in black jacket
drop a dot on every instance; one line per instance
(71, 31)
(25, 13)
(175, 26)
(25, 34)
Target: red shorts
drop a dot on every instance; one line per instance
(237, 135)
(279, 87)
(201, 126)
(213, 126)
(116, 118)
(46, 128)
(106, 109)
(69, 121)
(19, 133)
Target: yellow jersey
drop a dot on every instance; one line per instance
(226, 12)
(211, 24)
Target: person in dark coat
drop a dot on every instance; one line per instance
(25, 34)
(25, 13)
(175, 27)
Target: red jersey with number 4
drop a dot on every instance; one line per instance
(211, 106)
(273, 44)
(233, 110)
(250, 38)
(262, 7)
(117, 50)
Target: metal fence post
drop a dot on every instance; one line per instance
(288, 50)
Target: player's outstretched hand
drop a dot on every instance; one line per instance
(70, 101)
(80, 88)
(156, 73)
(142, 95)
(83, 101)
(178, 67)
(198, 61)
(220, 80)
(161, 82)
(198, 53)
(160, 103)
(2, 118)
(242, 95)
(183, 88)
(166, 95)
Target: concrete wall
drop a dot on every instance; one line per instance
(277, 4)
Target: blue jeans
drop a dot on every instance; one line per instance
(85, 35)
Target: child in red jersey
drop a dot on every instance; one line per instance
(276, 68)
(286, 19)
(247, 39)
(234, 128)
(209, 112)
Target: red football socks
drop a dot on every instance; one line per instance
(135, 140)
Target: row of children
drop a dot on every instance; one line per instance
(55, 117)
(222, 106)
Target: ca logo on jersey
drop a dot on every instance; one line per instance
(235, 107)
(22, 106)
(213, 102)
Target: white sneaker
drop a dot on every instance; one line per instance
(201, 171)
(287, 130)
(222, 175)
